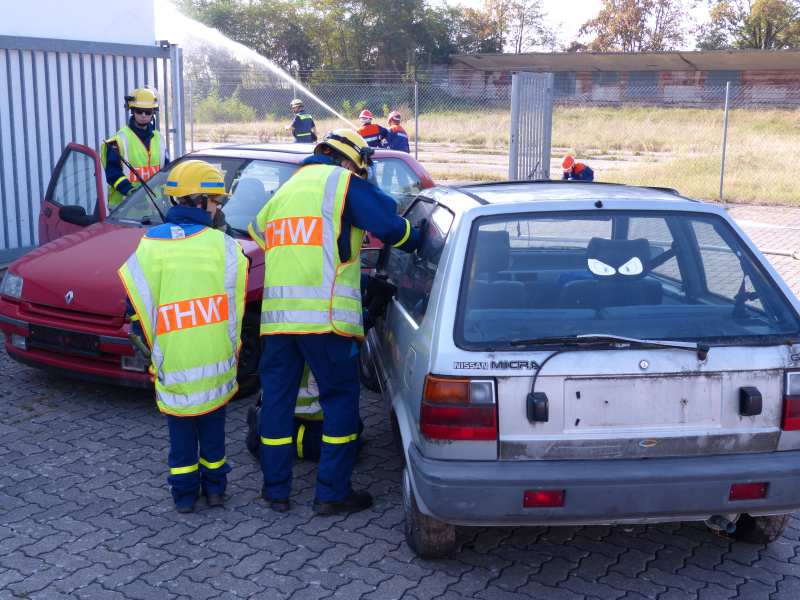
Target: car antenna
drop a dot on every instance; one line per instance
(147, 188)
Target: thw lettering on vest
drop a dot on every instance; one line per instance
(195, 312)
(143, 173)
(294, 231)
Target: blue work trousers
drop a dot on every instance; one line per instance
(333, 360)
(191, 472)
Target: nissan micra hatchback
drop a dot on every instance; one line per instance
(562, 353)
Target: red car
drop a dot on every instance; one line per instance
(62, 305)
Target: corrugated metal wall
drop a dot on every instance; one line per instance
(531, 126)
(60, 91)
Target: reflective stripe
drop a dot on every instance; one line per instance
(328, 241)
(301, 431)
(344, 439)
(183, 470)
(187, 400)
(232, 250)
(189, 375)
(308, 409)
(162, 149)
(294, 316)
(116, 183)
(212, 465)
(142, 287)
(347, 316)
(276, 441)
(405, 237)
(124, 139)
(310, 292)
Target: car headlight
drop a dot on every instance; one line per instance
(11, 285)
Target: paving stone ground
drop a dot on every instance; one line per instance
(85, 513)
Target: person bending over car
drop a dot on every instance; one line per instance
(186, 283)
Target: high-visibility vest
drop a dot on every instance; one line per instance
(307, 405)
(307, 288)
(302, 131)
(146, 162)
(188, 292)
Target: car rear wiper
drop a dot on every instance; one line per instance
(604, 339)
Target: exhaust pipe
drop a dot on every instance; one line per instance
(722, 523)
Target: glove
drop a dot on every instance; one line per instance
(377, 296)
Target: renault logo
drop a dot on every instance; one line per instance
(69, 296)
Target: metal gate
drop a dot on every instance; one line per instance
(60, 91)
(531, 126)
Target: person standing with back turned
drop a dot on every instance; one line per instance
(311, 232)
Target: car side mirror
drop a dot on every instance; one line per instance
(76, 215)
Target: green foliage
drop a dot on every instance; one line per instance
(213, 109)
(359, 106)
(347, 108)
(385, 109)
(758, 24)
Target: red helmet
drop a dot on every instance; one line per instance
(365, 114)
(568, 162)
(394, 116)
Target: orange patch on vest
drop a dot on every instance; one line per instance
(294, 231)
(143, 173)
(195, 312)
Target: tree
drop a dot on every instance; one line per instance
(636, 26)
(759, 24)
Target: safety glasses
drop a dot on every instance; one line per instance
(144, 111)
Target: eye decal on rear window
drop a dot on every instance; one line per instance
(632, 267)
(600, 268)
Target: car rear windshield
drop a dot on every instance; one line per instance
(650, 275)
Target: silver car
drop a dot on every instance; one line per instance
(563, 353)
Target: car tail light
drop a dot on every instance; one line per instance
(543, 498)
(791, 403)
(456, 408)
(748, 491)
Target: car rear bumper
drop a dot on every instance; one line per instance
(602, 491)
(105, 366)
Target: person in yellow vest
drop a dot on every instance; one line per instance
(186, 283)
(311, 231)
(139, 143)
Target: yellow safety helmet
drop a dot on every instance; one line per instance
(348, 143)
(195, 178)
(142, 98)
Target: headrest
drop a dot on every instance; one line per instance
(625, 259)
(493, 251)
(249, 187)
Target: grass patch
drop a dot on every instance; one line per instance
(674, 147)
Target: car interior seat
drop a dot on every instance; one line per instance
(489, 288)
(626, 264)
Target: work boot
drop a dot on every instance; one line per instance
(215, 499)
(184, 508)
(280, 505)
(355, 501)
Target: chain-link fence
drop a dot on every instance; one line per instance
(663, 135)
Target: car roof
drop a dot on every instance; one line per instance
(525, 191)
(287, 152)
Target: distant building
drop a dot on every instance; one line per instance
(760, 77)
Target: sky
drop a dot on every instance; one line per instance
(567, 16)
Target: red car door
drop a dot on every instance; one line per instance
(75, 195)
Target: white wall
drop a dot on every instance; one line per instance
(120, 21)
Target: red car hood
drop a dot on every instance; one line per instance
(86, 263)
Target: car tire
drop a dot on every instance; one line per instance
(366, 370)
(761, 529)
(249, 356)
(252, 440)
(426, 536)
